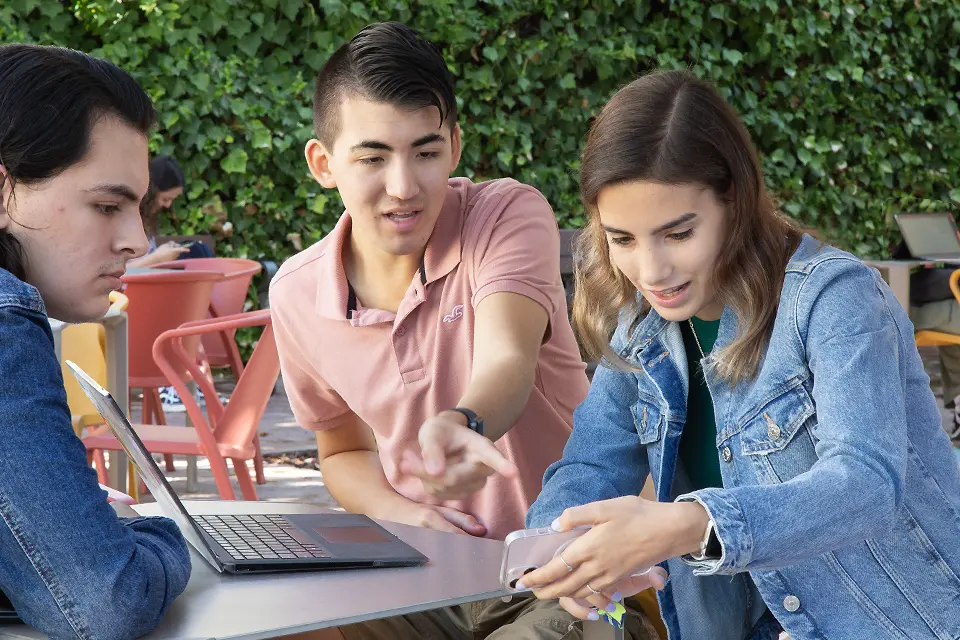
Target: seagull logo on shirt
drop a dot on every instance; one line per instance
(455, 314)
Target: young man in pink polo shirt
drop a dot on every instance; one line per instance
(425, 339)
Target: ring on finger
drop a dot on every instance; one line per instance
(569, 567)
(592, 590)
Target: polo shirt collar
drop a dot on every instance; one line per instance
(442, 256)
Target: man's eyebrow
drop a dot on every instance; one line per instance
(428, 139)
(383, 146)
(119, 190)
(676, 222)
(371, 144)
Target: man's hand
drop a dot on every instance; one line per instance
(436, 517)
(454, 462)
(169, 251)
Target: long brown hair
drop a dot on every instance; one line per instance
(672, 128)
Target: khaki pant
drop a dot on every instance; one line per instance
(942, 315)
(522, 618)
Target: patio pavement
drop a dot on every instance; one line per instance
(289, 451)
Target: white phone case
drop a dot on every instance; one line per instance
(530, 549)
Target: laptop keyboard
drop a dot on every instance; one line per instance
(259, 537)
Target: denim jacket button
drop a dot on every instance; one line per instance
(773, 432)
(791, 603)
(727, 454)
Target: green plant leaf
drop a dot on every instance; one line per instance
(235, 162)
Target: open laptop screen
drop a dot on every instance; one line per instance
(169, 503)
(929, 234)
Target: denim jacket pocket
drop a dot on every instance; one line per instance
(648, 421)
(778, 437)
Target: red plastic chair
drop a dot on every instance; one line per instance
(228, 298)
(229, 432)
(160, 301)
(229, 295)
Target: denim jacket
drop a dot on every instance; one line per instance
(841, 493)
(70, 567)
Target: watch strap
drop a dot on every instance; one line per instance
(474, 422)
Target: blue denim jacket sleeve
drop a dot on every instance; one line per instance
(603, 458)
(853, 349)
(69, 565)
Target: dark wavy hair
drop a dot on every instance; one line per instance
(385, 62)
(50, 100)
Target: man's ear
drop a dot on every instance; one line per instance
(318, 160)
(5, 192)
(456, 142)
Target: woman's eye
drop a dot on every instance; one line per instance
(620, 241)
(682, 235)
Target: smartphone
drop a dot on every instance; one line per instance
(529, 549)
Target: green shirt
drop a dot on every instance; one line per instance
(698, 442)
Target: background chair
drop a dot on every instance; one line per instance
(226, 431)
(159, 301)
(84, 344)
(228, 298)
(928, 338)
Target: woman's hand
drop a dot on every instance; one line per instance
(628, 536)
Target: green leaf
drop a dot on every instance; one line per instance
(319, 203)
(491, 53)
(290, 8)
(804, 155)
(732, 56)
(568, 81)
(250, 44)
(262, 139)
(235, 162)
(201, 81)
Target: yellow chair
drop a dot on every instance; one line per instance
(940, 338)
(84, 344)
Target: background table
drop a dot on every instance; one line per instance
(461, 569)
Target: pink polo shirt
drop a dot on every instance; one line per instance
(396, 370)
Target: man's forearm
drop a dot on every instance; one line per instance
(500, 394)
(357, 482)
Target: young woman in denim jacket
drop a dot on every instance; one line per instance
(771, 386)
(73, 167)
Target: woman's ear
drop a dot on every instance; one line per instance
(5, 191)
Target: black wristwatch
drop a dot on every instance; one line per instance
(474, 422)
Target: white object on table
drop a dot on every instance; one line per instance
(461, 569)
(118, 377)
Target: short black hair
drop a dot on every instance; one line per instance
(50, 100)
(165, 173)
(385, 62)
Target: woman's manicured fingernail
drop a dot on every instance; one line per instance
(555, 525)
(611, 607)
(593, 615)
(617, 597)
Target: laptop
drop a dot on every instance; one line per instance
(930, 236)
(258, 543)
